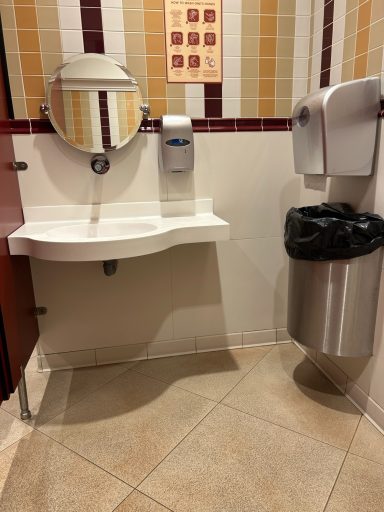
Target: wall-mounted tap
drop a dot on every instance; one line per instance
(100, 164)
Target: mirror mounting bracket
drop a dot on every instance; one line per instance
(44, 108)
(146, 110)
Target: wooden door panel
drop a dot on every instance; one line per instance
(18, 329)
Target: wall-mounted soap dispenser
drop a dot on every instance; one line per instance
(334, 129)
(176, 148)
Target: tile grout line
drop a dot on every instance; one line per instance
(88, 460)
(75, 403)
(195, 354)
(285, 428)
(205, 416)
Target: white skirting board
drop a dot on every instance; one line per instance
(368, 407)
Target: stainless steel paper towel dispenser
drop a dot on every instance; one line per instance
(176, 151)
(334, 129)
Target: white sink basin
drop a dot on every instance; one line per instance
(104, 229)
(114, 231)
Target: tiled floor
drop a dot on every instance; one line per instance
(252, 430)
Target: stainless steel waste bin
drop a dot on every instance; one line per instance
(332, 305)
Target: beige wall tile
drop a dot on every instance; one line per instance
(266, 107)
(250, 25)
(135, 44)
(50, 41)
(251, 6)
(31, 63)
(47, 17)
(133, 20)
(26, 17)
(154, 21)
(375, 58)
(377, 10)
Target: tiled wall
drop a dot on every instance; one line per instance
(274, 51)
(265, 65)
(346, 42)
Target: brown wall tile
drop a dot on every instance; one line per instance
(31, 63)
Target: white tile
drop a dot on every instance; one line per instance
(194, 107)
(365, 403)
(114, 42)
(229, 287)
(232, 6)
(120, 354)
(303, 8)
(95, 311)
(112, 19)
(300, 68)
(253, 193)
(337, 53)
(282, 336)
(302, 26)
(232, 88)
(231, 46)
(219, 342)
(194, 90)
(333, 371)
(72, 41)
(231, 107)
(69, 3)
(301, 46)
(335, 75)
(340, 8)
(300, 87)
(253, 338)
(338, 30)
(231, 67)
(70, 18)
(171, 348)
(231, 24)
(68, 360)
(112, 3)
(60, 183)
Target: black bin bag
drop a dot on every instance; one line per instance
(331, 232)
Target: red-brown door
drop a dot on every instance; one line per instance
(18, 325)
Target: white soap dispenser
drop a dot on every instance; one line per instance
(176, 147)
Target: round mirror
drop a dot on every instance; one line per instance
(94, 102)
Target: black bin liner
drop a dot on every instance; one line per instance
(331, 231)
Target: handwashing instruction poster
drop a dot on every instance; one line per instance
(193, 31)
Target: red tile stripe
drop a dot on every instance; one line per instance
(239, 124)
(326, 54)
(213, 100)
(93, 38)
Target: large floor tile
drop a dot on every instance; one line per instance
(38, 474)
(137, 502)
(210, 374)
(359, 488)
(11, 429)
(128, 426)
(368, 442)
(50, 393)
(287, 389)
(234, 462)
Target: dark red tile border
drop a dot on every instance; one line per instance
(42, 126)
(222, 125)
(200, 125)
(326, 54)
(249, 124)
(92, 26)
(146, 126)
(239, 124)
(213, 100)
(275, 124)
(16, 126)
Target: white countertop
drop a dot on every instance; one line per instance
(114, 231)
